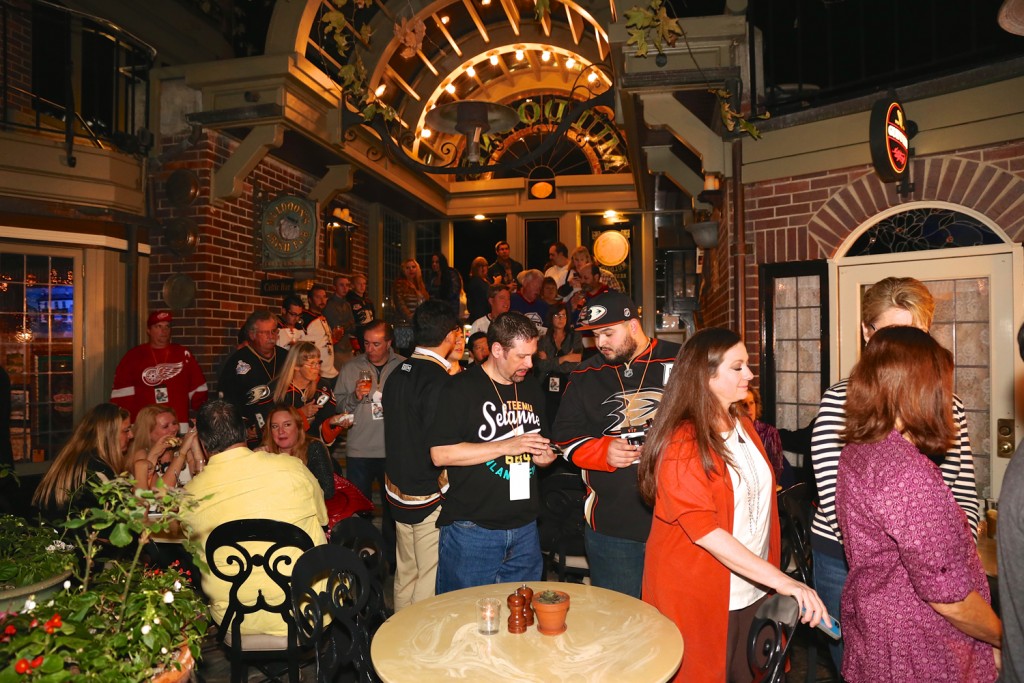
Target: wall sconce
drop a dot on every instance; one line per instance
(712, 193)
(340, 218)
(704, 231)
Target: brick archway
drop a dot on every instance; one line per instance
(984, 187)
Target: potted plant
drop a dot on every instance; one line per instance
(33, 561)
(551, 607)
(118, 621)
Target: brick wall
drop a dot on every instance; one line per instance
(808, 217)
(17, 54)
(224, 263)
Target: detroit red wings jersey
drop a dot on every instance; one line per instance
(170, 376)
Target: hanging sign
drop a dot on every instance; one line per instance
(890, 144)
(288, 231)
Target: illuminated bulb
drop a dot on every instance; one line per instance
(611, 214)
(425, 133)
(450, 88)
(444, 20)
(480, 217)
(519, 55)
(471, 72)
(485, 3)
(494, 60)
(545, 56)
(570, 63)
(380, 89)
(591, 77)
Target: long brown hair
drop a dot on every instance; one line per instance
(301, 448)
(688, 398)
(904, 378)
(97, 435)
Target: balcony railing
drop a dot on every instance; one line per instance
(73, 74)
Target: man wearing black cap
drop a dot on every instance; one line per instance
(608, 403)
(159, 372)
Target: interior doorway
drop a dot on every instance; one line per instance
(474, 238)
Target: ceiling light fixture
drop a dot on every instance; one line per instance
(494, 60)
(450, 88)
(445, 20)
(380, 89)
(570, 63)
(591, 77)
(471, 72)
(519, 55)
(480, 217)
(425, 133)
(545, 56)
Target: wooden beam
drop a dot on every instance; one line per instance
(512, 12)
(451, 41)
(393, 75)
(338, 179)
(576, 24)
(227, 180)
(471, 8)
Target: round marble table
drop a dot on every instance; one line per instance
(608, 635)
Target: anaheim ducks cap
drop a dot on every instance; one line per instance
(610, 308)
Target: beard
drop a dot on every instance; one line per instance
(623, 354)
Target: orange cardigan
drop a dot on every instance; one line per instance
(685, 582)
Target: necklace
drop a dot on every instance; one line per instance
(501, 401)
(628, 373)
(272, 370)
(748, 474)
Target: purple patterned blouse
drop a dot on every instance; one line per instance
(908, 544)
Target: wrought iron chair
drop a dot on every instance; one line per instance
(234, 551)
(561, 525)
(771, 634)
(363, 538)
(795, 514)
(330, 589)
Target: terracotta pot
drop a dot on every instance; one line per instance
(184, 657)
(551, 616)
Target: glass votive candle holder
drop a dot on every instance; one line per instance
(488, 615)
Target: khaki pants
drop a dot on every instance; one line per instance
(416, 569)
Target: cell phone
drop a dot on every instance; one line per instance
(835, 632)
(322, 400)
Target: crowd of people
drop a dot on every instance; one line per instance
(681, 474)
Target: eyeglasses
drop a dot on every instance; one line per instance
(313, 363)
(559, 315)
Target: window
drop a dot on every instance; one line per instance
(37, 307)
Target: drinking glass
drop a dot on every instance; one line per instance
(364, 383)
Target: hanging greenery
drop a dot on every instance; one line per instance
(651, 25)
(352, 73)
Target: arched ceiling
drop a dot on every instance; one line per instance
(492, 50)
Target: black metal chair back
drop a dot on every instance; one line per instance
(363, 538)
(330, 590)
(234, 551)
(771, 634)
(795, 513)
(562, 525)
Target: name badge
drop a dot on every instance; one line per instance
(161, 395)
(519, 481)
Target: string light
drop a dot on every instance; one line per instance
(591, 77)
(450, 88)
(545, 56)
(471, 72)
(494, 60)
(519, 55)
(425, 133)
(380, 89)
(570, 63)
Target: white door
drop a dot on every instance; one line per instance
(977, 312)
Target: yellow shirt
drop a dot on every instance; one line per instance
(241, 484)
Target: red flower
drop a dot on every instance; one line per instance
(37, 662)
(35, 622)
(23, 666)
(10, 630)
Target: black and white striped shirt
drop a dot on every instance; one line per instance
(957, 468)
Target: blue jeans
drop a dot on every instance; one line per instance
(829, 578)
(470, 555)
(615, 563)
